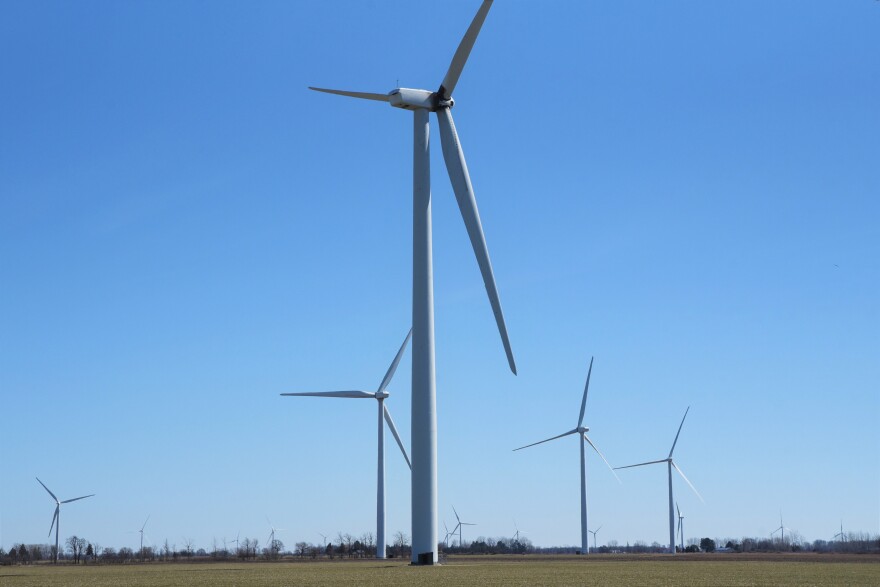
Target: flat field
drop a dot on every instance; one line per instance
(721, 570)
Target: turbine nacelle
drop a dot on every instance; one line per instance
(382, 394)
(583, 429)
(410, 99)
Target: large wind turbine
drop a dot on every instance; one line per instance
(581, 431)
(424, 404)
(379, 396)
(671, 465)
(56, 519)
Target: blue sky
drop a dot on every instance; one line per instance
(686, 190)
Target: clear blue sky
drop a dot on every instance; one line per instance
(687, 190)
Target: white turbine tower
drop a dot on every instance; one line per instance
(671, 465)
(594, 532)
(424, 397)
(581, 431)
(379, 396)
(56, 519)
(680, 528)
(458, 527)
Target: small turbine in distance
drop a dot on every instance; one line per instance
(458, 527)
(380, 396)
(594, 532)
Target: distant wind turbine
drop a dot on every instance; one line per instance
(516, 535)
(680, 528)
(141, 531)
(56, 519)
(840, 534)
(273, 530)
(671, 465)
(594, 532)
(581, 431)
(424, 393)
(458, 527)
(380, 396)
(780, 529)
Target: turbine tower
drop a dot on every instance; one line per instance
(379, 396)
(56, 519)
(424, 396)
(670, 464)
(581, 431)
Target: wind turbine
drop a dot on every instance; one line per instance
(379, 396)
(448, 534)
(458, 527)
(56, 519)
(271, 543)
(680, 528)
(671, 465)
(141, 531)
(516, 534)
(424, 393)
(594, 532)
(780, 529)
(840, 534)
(581, 431)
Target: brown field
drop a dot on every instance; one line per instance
(485, 571)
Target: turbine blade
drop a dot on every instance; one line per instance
(394, 363)
(145, 523)
(463, 51)
(597, 529)
(456, 517)
(641, 464)
(78, 498)
(363, 95)
(688, 481)
(464, 194)
(678, 511)
(467, 524)
(394, 433)
(548, 440)
(346, 394)
(54, 518)
(586, 389)
(46, 488)
(679, 431)
(598, 452)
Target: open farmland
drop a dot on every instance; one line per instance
(725, 570)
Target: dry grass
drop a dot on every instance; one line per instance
(722, 570)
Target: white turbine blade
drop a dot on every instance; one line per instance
(46, 488)
(688, 482)
(394, 433)
(456, 516)
(467, 524)
(586, 389)
(679, 431)
(394, 363)
(364, 95)
(598, 452)
(642, 464)
(77, 498)
(346, 394)
(463, 51)
(464, 194)
(597, 530)
(678, 511)
(54, 518)
(548, 440)
(145, 523)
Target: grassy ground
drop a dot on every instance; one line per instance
(727, 570)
